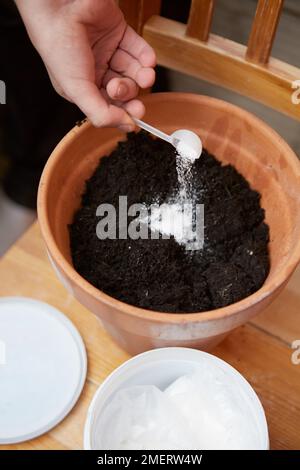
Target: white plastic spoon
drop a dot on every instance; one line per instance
(187, 143)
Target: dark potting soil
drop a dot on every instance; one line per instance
(161, 274)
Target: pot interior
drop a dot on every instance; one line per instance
(227, 132)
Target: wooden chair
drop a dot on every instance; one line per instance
(191, 48)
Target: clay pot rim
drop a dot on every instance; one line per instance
(131, 310)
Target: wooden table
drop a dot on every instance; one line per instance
(260, 350)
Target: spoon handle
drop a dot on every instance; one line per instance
(153, 130)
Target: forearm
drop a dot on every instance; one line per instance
(29, 7)
(38, 15)
(42, 17)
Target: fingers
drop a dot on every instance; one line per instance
(118, 87)
(96, 105)
(122, 92)
(130, 67)
(124, 63)
(100, 112)
(135, 108)
(134, 59)
(138, 48)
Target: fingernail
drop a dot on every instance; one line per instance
(122, 90)
(126, 128)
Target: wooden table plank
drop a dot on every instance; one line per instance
(260, 350)
(266, 363)
(282, 318)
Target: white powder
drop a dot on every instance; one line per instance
(184, 168)
(181, 220)
(197, 411)
(188, 152)
(175, 217)
(189, 145)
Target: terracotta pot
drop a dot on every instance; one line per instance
(234, 136)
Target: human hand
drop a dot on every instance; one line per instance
(94, 59)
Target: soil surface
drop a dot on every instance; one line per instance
(161, 274)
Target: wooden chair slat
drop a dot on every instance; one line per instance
(200, 19)
(263, 30)
(137, 12)
(192, 50)
(222, 62)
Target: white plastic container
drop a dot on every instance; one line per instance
(161, 367)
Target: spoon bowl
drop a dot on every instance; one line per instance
(187, 143)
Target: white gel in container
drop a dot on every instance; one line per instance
(175, 398)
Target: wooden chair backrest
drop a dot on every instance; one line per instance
(191, 48)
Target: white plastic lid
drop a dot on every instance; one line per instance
(42, 368)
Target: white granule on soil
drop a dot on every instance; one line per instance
(175, 217)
